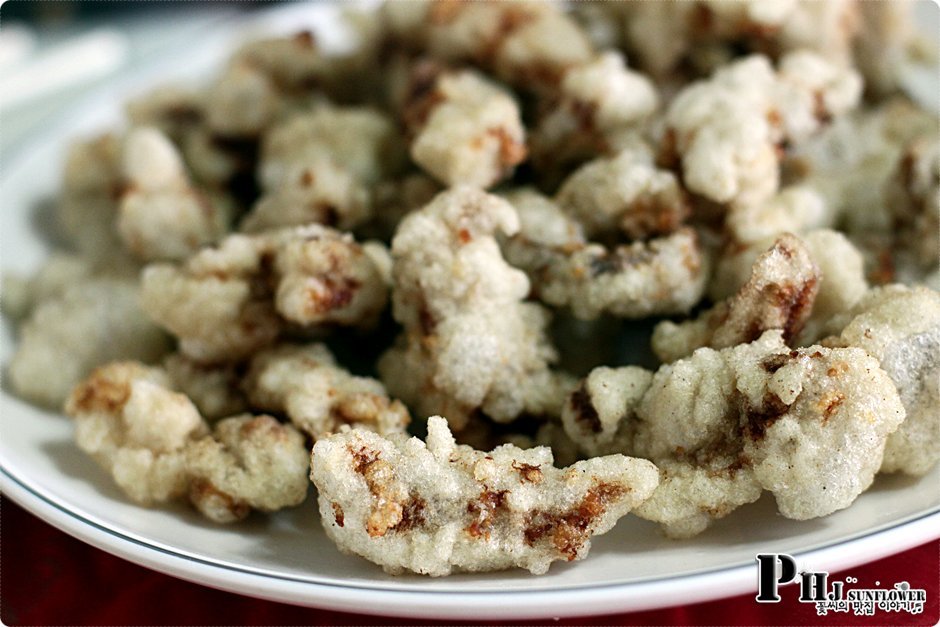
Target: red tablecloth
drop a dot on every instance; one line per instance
(48, 577)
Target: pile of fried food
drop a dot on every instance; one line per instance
(443, 202)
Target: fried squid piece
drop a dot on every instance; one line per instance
(243, 101)
(87, 324)
(249, 462)
(361, 140)
(469, 342)
(466, 129)
(841, 277)
(319, 396)
(226, 302)
(900, 327)
(527, 44)
(809, 425)
(913, 195)
(597, 103)
(59, 271)
(87, 209)
(664, 275)
(661, 276)
(624, 193)
(162, 216)
(128, 418)
(725, 132)
(779, 294)
(698, 36)
(319, 190)
(794, 209)
(214, 389)
(435, 508)
(599, 416)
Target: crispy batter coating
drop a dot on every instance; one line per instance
(128, 418)
(173, 109)
(226, 302)
(315, 191)
(809, 425)
(595, 104)
(852, 160)
(358, 139)
(693, 494)
(91, 184)
(913, 195)
(436, 507)
(900, 327)
(703, 34)
(161, 215)
(779, 294)
(841, 277)
(664, 275)
(469, 341)
(214, 389)
(794, 209)
(318, 395)
(66, 336)
(58, 272)
(243, 101)
(466, 130)
(626, 193)
(249, 462)
(599, 416)
(527, 44)
(726, 131)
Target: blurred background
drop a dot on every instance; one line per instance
(53, 53)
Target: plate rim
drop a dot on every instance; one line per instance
(657, 592)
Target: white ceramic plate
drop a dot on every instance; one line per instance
(287, 557)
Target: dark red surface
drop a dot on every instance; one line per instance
(49, 578)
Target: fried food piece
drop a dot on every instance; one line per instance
(626, 193)
(214, 389)
(61, 270)
(809, 425)
(900, 327)
(693, 494)
(319, 396)
(436, 507)
(360, 140)
(702, 35)
(242, 102)
(162, 216)
(316, 191)
(795, 209)
(469, 342)
(226, 302)
(779, 294)
(526, 44)
(89, 323)
(87, 208)
(725, 132)
(466, 130)
(599, 416)
(132, 423)
(173, 109)
(249, 462)
(596, 103)
(841, 277)
(913, 195)
(664, 275)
